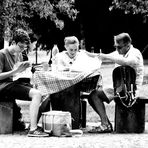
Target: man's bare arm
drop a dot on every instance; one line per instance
(19, 69)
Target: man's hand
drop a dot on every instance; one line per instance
(101, 56)
(26, 64)
(21, 67)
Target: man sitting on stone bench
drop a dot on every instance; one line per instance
(17, 89)
(125, 54)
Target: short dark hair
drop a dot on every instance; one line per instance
(20, 35)
(124, 37)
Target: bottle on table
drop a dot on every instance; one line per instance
(54, 51)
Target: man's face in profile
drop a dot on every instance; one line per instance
(121, 47)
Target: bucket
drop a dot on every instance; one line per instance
(56, 122)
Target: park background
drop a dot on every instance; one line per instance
(93, 22)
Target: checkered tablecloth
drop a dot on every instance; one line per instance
(51, 82)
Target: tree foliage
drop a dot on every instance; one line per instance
(20, 13)
(132, 6)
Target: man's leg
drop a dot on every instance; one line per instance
(44, 107)
(25, 92)
(34, 107)
(96, 100)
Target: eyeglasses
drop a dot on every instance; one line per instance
(118, 47)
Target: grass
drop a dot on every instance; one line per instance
(106, 70)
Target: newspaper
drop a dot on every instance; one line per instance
(86, 63)
(25, 74)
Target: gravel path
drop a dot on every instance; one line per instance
(20, 140)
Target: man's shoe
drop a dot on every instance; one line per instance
(38, 127)
(37, 133)
(102, 129)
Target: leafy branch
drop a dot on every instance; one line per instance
(131, 6)
(18, 13)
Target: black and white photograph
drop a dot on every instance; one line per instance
(73, 73)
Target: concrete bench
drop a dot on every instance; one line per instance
(10, 116)
(6, 117)
(132, 119)
(129, 118)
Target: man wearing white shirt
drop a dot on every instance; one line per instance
(125, 55)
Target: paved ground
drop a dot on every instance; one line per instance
(20, 140)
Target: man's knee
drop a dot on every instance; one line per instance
(94, 95)
(98, 94)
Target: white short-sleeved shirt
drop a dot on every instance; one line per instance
(138, 65)
(136, 55)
